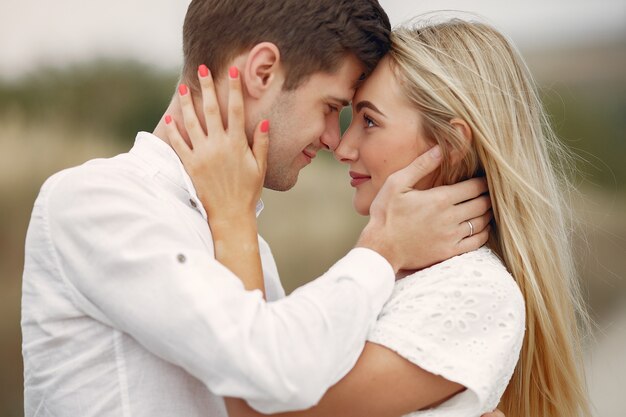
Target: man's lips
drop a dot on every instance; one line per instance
(358, 178)
(309, 154)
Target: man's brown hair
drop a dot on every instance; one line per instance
(312, 35)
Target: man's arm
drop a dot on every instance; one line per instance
(132, 264)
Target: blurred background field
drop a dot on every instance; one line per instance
(62, 115)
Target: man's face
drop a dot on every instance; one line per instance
(305, 120)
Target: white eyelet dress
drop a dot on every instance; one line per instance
(463, 319)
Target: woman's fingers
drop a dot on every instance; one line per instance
(210, 106)
(190, 119)
(260, 145)
(176, 140)
(236, 123)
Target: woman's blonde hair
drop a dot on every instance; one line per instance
(468, 70)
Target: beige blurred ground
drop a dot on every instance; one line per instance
(313, 225)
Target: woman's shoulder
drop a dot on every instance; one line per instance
(463, 318)
(479, 273)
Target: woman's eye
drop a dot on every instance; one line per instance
(368, 122)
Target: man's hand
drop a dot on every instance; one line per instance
(414, 229)
(494, 413)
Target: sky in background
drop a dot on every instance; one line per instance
(36, 33)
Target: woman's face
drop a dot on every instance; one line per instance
(385, 136)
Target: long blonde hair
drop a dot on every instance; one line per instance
(468, 70)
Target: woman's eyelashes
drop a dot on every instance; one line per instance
(369, 122)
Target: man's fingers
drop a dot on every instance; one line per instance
(260, 144)
(473, 242)
(190, 119)
(472, 208)
(176, 140)
(210, 106)
(235, 104)
(420, 167)
(494, 413)
(478, 224)
(466, 190)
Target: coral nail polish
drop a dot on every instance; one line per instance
(265, 126)
(168, 119)
(233, 72)
(183, 90)
(203, 70)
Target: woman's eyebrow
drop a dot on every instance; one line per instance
(368, 104)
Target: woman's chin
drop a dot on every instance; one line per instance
(361, 208)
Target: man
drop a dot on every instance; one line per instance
(126, 312)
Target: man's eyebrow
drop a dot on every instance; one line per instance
(368, 104)
(343, 101)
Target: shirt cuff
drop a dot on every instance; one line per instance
(371, 270)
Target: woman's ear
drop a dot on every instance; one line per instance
(465, 132)
(262, 69)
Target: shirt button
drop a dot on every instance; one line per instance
(181, 258)
(193, 203)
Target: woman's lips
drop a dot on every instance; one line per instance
(358, 179)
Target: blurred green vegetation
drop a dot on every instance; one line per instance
(591, 120)
(118, 98)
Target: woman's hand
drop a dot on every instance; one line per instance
(227, 174)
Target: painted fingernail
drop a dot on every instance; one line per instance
(203, 70)
(265, 126)
(435, 152)
(168, 119)
(233, 72)
(183, 90)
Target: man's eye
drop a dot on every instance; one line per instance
(333, 108)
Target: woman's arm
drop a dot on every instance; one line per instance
(381, 384)
(227, 174)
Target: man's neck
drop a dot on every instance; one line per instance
(173, 110)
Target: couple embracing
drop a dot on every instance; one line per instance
(147, 291)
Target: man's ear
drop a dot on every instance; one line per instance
(465, 132)
(262, 68)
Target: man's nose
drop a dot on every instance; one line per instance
(331, 136)
(345, 151)
(330, 140)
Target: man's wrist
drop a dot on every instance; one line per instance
(229, 218)
(372, 238)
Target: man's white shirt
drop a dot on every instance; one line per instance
(125, 311)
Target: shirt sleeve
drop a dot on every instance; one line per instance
(463, 320)
(131, 264)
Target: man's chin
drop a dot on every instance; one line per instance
(280, 182)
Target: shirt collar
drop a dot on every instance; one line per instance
(160, 157)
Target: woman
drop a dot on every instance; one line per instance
(452, 333)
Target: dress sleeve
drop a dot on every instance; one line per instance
(462, 319)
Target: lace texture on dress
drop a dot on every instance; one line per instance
(463, 319)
